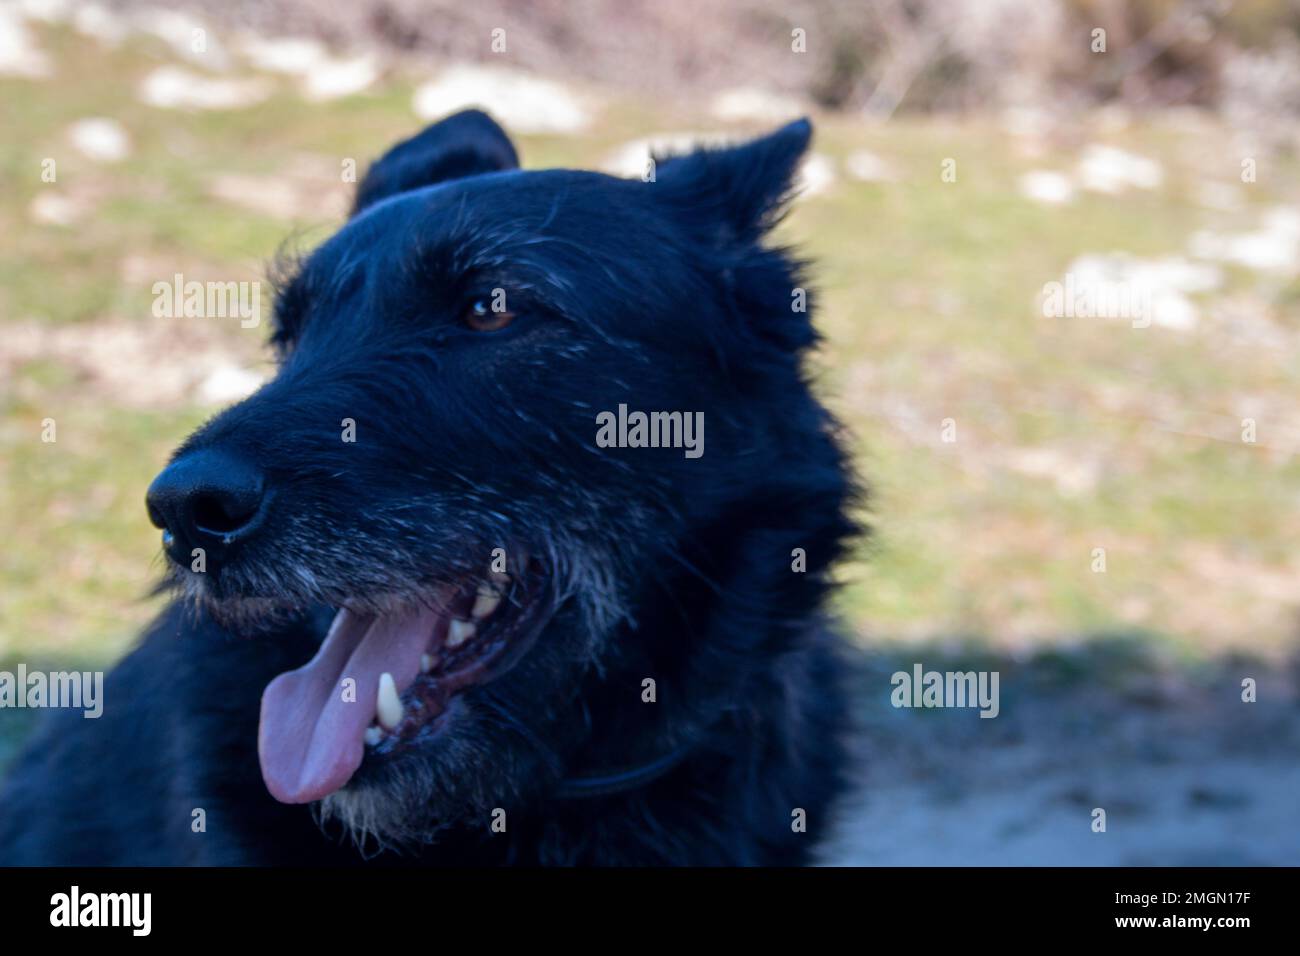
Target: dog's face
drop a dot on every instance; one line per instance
(440, 460)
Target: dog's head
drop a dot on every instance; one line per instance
(485, 452)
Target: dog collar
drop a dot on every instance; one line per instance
(604, 785)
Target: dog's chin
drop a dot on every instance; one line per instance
(455, 755)
(438, 733)
(459, 778)
(400, 813)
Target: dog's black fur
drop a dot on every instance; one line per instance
(662, 295)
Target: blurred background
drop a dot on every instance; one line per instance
(1105, 514)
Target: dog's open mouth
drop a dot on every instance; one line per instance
(380, 683)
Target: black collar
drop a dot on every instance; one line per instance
(604, 785)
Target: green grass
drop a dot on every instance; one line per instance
(928, 307)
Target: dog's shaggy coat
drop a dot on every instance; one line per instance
(680, 704)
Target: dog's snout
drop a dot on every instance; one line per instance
(206, 499)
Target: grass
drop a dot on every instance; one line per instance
(1071, 434)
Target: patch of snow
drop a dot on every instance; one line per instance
(100, 23)
(47, 11)
(521, 101)
(171, 87)
(816, 175)
(1105, 169)
(101, 139)
(321, 76)
(19, 55)
(187, 36)
(1072, 475)
(633, 159)
(868, 167)
(1049, 188)
(228, 383)
(751, 104)
(1274, 247)
(294, 56)
(1144, 291)
(333, 79)
(55, 209)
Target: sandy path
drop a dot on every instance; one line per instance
(1188, 775)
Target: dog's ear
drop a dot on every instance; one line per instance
(738, 192)
(464, 144)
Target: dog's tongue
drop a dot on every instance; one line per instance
(312, 734)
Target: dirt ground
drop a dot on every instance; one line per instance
(1187, 773)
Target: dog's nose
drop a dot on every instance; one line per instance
(206, 499)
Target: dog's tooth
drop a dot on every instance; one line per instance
(458, 632)
(485, 603)
(426, 663)
(388, 706)
(373, 735)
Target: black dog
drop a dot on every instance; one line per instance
(561, 628)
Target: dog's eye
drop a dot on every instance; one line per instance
(482, 317)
